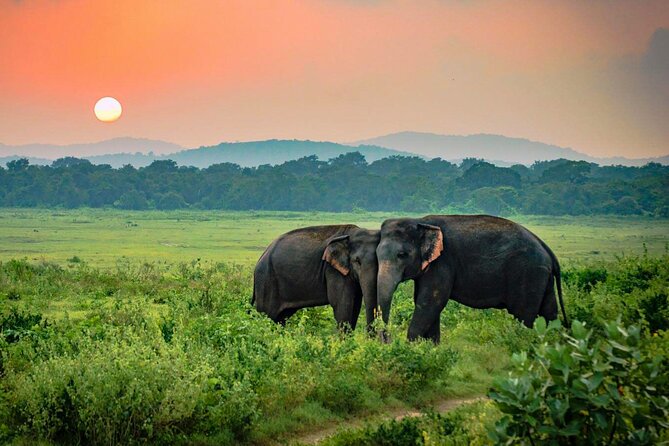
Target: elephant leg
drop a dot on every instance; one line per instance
(434, 332)
(357, 306)
(527, 294)
(549, 307)
(346, 300)
(430, 300)
(370, 315)
(284, 315)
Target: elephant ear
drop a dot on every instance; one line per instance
(337, 254)
(432, 244)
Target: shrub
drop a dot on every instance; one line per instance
(114, 393)
(585, 278)
(464, 425)
(15, 324)
(590, 390)
(406, 432)
(632, 288)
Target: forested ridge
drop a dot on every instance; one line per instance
(345, 183)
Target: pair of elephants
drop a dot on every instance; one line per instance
(478, 260)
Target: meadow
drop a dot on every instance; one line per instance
(122, 327)
(101, 237)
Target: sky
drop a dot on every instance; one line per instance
(591, 75)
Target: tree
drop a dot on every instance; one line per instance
(161, 166)
(18, 165)
(466, 163)
(171, 200)
(488, 175)
(68, 161)
(352, 159)
(569, 171)
(132, 200)
(494, 201)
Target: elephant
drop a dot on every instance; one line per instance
(319, 265)
(480, 261)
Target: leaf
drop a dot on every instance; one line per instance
(600, 420)
(572, 429)
(619, 346)
(594, 381)
(578, 330)
(555, 324)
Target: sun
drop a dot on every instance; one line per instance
(108, 109)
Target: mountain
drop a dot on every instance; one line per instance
(115, 145)
(249, 154)
(142, 152)
(498, 149)
(495, 148)
(275, 152)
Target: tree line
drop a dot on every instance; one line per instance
(345, 183)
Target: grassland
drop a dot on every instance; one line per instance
(102, 237)
(206, 369)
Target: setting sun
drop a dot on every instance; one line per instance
(108, 109)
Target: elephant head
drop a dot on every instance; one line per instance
(354, 255)
(405, 251)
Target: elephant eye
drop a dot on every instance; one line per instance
(402, 255)
(357, 260)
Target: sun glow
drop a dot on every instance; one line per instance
(108, 109)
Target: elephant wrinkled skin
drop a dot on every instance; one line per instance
(318, 265)
(478, 260)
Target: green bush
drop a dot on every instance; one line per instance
(115, 393)
(632, 288)
(590, 390)
(585, 278)
(15, 324)
(204, 367)
(464, 425)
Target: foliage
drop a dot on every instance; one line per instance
(632, 288)
(463, 426)
(345, 183)
(174, 353)
(585, 390)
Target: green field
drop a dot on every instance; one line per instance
(101, 237)
(110, 333)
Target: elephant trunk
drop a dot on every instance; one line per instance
(369, 296)
(386, 284)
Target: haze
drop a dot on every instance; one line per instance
(589, 75)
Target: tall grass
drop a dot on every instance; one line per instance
(174, 353)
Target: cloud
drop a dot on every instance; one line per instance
(655, 62)
(640, 83)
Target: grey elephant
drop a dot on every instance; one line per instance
(319, 265)
(478, 260)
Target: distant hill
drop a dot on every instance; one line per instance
(116, 145)
(139, 152)
(142, 152)
(495, 148)
(249, 154)
(275, 152)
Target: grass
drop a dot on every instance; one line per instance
(101, 237)
(123, 288)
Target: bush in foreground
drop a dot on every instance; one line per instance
(586, 390)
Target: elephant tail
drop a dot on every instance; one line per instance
(558, 279)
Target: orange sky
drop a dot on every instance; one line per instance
(198, 72)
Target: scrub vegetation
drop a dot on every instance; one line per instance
(167, 351)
